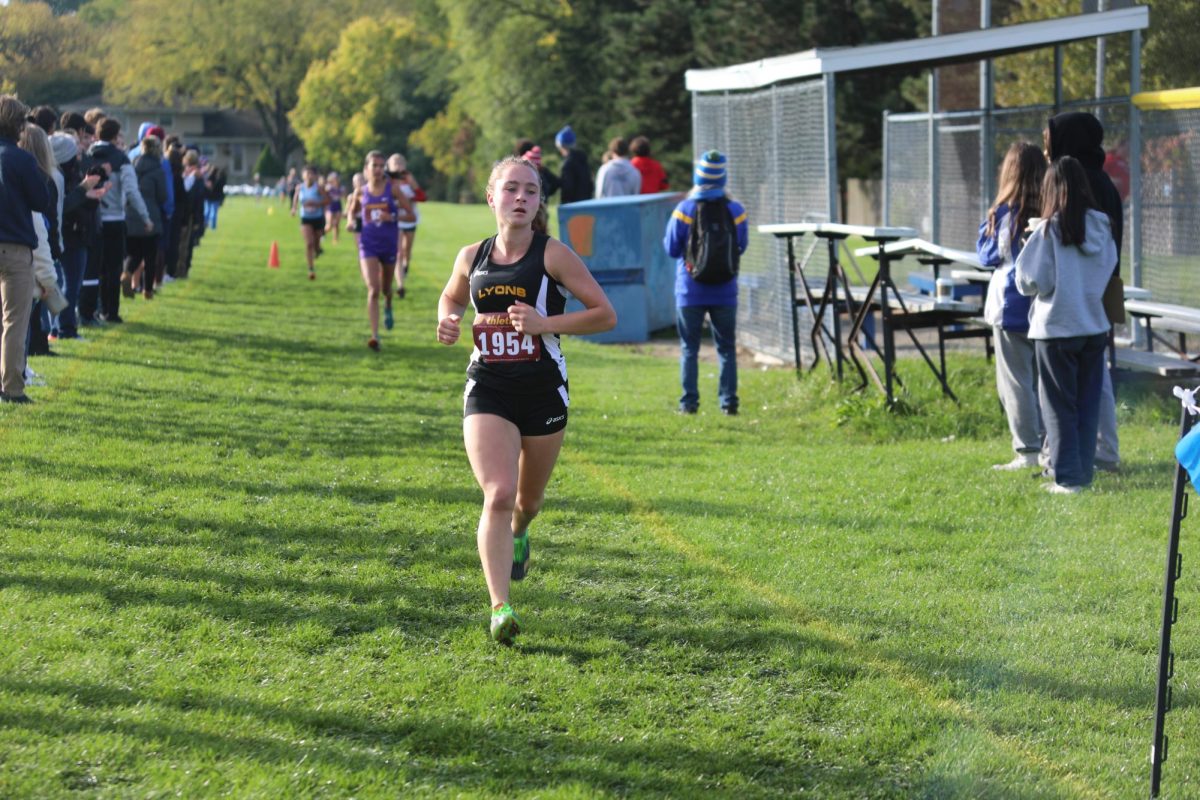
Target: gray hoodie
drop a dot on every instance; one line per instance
(123, 185)
(1067, 281)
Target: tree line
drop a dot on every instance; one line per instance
(452, 83)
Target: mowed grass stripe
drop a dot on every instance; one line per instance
(804, 617)
(231, 529)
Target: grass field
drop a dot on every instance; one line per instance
(237, 559)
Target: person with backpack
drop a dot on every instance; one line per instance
(707, 234)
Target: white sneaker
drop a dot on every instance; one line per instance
(1058, 488)
(1022, 461)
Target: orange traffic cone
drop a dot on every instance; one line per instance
(273, 259)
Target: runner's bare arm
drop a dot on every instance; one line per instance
(407, 214)
(565, 267)
(455, 297)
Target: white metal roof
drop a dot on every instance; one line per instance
(930, 51)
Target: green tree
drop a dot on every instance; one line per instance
(380, 84)
(653, 43)
(61, 7)
(247, 54)
(268, 166)
(507, 59)
(39, 52)
(1170, 58)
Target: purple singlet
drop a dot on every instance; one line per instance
(378, 237)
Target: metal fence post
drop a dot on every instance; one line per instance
(1058, 71)
(1135, 161)
(831, 168)
(887, 174)
(934, 204)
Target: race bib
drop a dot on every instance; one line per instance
(497, 340)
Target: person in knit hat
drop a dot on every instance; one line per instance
(532, 153)
(695, 300)
(576, 176)
(82, 193)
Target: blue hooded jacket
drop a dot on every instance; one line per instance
(1005, 306)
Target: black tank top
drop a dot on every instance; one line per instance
(502, 358)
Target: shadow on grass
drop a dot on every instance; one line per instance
(419, 749)
(669, 630)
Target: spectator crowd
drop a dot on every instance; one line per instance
(89, 217)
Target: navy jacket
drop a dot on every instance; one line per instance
(23, 191)
(1005, 305)
(576, 181)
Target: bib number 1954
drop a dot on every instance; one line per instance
(497, 340)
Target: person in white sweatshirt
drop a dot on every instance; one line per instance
(1065, 266)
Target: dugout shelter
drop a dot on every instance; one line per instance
(776, 119)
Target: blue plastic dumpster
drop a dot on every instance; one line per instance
(620, 241)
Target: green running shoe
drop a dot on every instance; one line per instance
(505, 624)
(520, 556)
(389, 321)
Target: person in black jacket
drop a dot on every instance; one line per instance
(1080, 135)
(576, 180)
(80, 202)
(181, 219)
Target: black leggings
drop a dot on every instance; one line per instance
(139, 250)
(112, 261)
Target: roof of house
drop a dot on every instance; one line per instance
(219, 123)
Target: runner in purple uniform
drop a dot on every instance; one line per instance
(333, 211)
(379, 205)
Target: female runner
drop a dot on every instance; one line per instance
(310, 200)
(515, 403)
(333, 212)
(397, 169)
(379, 205)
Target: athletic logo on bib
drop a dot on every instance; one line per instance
(497, 340)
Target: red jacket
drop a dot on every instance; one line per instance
(654, 177)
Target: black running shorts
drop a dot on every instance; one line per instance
(316, 223)
(533, 414)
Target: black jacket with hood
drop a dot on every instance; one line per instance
(1081, 136)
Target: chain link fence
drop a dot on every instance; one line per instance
(774, 140)
(946, 203)
(1170, 194)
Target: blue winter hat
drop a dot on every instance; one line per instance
(710, 172)
(565, 137)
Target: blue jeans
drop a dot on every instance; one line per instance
(211, 207)
(1070, 374)
(689, 321)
